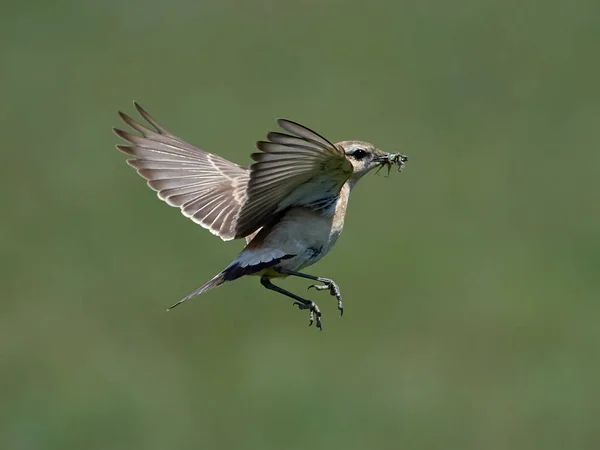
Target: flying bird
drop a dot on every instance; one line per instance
(289, 204)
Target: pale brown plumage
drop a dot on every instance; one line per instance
(229, 200)
(289, 205)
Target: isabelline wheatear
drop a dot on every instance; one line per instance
(289, 204)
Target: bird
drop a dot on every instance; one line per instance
(289, 204)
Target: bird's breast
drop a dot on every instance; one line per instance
(305, 233)
(303, 227)
(309, 233)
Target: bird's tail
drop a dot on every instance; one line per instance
(218, 280)
(232, 272)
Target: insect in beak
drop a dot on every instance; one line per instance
(390, 160)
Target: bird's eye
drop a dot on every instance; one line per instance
(359, 153)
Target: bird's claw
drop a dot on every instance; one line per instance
(314, 310)
(319, 287)
(334, 290)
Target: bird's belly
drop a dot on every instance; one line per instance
(306, 235)
(305, 258)
(295, 264)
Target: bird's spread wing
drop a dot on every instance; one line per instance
(291, 170)
(208, 189)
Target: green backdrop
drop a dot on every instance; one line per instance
(471, 281)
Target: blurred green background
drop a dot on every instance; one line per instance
(471, 281)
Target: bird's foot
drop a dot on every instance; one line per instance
(333, 289)
(313, 311)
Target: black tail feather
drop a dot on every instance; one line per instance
(212, 283)
(232, 272)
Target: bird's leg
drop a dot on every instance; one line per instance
(328, 284)
(300, 302)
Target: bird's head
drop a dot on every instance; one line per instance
(365, 157)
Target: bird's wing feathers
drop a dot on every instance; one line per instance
(208, 189)
(292, 170)
(231, 201)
